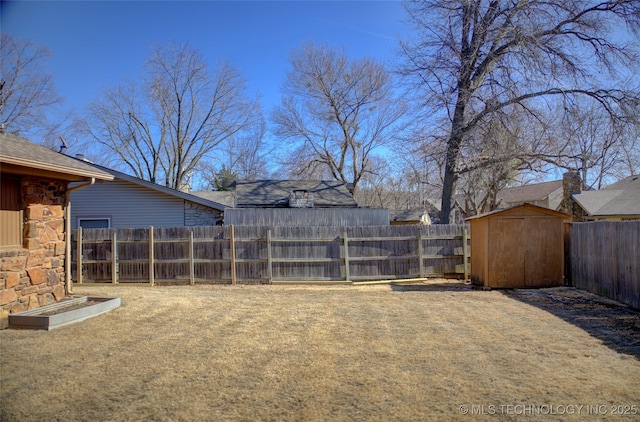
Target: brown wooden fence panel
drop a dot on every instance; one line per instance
(605, 259)
(269, 254)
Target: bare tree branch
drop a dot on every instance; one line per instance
(183, 113)
(336, 112)
(483, 57)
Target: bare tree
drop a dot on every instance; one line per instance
(493, 160)
(629, 163)
(591, 141)
(26, 89)
(476, 59)
(629, 146)
(118, 121)
(245, 156)
(180, 115)
(336, 112)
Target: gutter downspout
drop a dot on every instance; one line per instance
(67, 218)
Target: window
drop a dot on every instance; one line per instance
(94, 222)
(11, 214)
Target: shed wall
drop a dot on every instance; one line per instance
(478, 251)
(517, 248)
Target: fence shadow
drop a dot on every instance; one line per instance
(433, 286)
(616, 325)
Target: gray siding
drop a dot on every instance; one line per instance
(127, 205)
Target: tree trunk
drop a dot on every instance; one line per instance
(453, 155)
(450, 179)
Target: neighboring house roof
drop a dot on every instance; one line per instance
(275, 193)
(435, 204)
(415, 215)
(227, 198)
(21, 156)
(174, 192)
(407, 215)
(619, 199)
(529, 193)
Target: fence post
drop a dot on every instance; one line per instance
(465, 253)
(79, 256)
(191, 263)
(347, 276)
(151, 263)
(269, 258)
(114, 258)
(420, 252)
(232, 245)
(568, 268)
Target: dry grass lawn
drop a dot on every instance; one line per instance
(365, 353)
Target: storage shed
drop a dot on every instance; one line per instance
(518, 247)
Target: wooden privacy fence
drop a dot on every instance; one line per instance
(306, 217)
(263, 255)
(605, 259)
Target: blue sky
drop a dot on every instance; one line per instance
(96, 44)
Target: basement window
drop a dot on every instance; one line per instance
(94, 222)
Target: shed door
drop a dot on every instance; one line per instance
(544, 260)
(525, 253)
(507, 252)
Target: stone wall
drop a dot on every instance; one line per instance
(199, 215)
(33, 275)
(571, 185)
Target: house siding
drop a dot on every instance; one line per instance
(127, 205)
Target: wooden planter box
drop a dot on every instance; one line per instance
(55, 315)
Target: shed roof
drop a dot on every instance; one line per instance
(21, 156)
(275, 193)
(541, 210)
(621, 198)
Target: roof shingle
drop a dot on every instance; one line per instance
(275, 193)
(20, 153)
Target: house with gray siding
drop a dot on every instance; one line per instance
(130, 202)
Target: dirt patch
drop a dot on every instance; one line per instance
(380, 353)
(616, 325)
(70, 307)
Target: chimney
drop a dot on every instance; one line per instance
(301, 199)
(571, 185)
